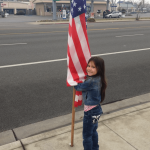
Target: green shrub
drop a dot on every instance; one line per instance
(90, 20)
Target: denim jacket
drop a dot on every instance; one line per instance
(90, 90)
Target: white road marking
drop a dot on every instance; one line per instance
(33, 63)
(56, 60)
(129, 35)
(13, 44)
(129, 51)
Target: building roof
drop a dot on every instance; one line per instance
(126, 4)
(67, 1)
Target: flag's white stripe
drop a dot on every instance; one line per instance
(76, 98)
(72, 83)
(82, 38)
(67, 59)
(75, 59)
(69, 76)
(70, 20)
(70, 79)
(80, 97)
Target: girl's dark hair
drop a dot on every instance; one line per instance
(100, 66)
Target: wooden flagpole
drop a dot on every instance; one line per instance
(73, 118)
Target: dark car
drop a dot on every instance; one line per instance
(2, 14)
(106, 12)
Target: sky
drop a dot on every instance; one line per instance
(146, 1)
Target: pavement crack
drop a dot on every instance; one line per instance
(18, 139)
(119, 135)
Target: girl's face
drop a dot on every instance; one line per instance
(91, 69)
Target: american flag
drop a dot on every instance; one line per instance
(78, 47)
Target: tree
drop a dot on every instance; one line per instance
(139, 5)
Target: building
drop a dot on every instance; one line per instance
(13, 6)
(45, 7)
(128, 6)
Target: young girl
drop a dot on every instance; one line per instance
(93, 92)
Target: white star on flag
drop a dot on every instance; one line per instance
(79, 9)
(84, 6)
(72, 10)
(74, 4)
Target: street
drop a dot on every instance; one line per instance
(33, 67)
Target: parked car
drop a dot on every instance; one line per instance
(2, 14)
(114, 14)
(6, 14)
(20, 12)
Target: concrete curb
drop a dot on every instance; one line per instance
(7, 137)
(12, 146)
(97, 21)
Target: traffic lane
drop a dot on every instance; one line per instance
(127, 75)
(37, 92)
(28, 29)
(54, 46)
(38, 48)
(107, 42)
(121, 24)
(33, 29)
(33, 93)
(38, 29)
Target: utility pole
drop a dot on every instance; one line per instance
(143, 5)
(112, 8)
(0, 6)
(107, 6)
(127, 7)
(92, 9)
(70, 5)
(54, 10)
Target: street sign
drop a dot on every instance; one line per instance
(56, 0)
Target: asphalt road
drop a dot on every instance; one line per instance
(35, 90)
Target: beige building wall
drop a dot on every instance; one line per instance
(101, 7)
(40, 9)
(17, 5)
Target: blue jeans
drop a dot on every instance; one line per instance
(90, 125)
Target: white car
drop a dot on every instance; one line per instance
(114, 14)
(6, 14)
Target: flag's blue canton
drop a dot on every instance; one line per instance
(78, 7)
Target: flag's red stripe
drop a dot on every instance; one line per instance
(75, 104)
(68, 83)
(83, 23)
(70, 30)
(72, 67)
(78, 47)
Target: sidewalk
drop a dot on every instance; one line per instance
(124, 129)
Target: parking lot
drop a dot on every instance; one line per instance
(33, 18)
